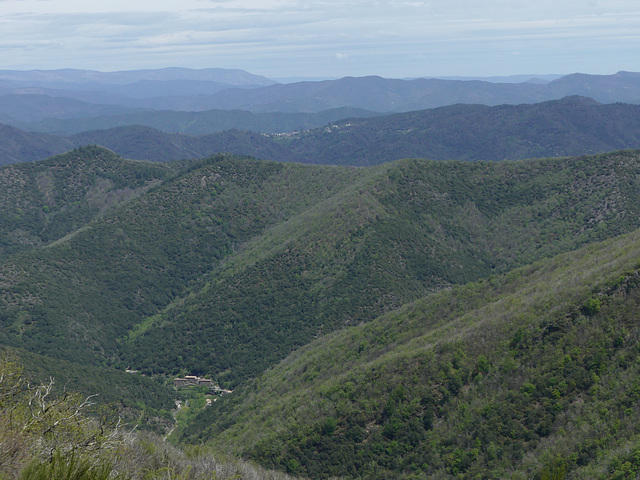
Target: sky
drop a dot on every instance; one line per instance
(325, 38)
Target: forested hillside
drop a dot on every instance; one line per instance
(531, 374)
(337, 302)
(44, 201)
(230, 264)
(398, 232)
(77, 297)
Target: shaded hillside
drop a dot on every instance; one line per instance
(20, 146)
(532, 374)
(24, 107)
(42, 202)
(76, 297)
(145, 143)
(567, 127)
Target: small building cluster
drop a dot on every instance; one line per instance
(192, 381)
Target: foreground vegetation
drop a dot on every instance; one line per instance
(65, 436)
(139, 400)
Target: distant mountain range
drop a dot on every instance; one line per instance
(36, 100)
(199, 123)
(566, 127)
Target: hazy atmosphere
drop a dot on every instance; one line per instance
(292, 38)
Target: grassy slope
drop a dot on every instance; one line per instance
(530, 373)
(401, 231)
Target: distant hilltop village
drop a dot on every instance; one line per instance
(194, 381)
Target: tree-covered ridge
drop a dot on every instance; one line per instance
(228, 264)
(76, 297)
(225, 265)
(405, 229)
(531, 374)
(44, 201)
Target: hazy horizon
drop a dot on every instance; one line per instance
(324, 39)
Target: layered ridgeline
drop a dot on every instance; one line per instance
(44, 201)
(568, 127)
(226, 266)
(393, 234)
(531, 374)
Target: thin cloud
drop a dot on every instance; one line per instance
(276, 37)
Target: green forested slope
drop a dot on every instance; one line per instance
(43, 201)
(74, 298)
(229, 264)
(224, 266)
(401, 231)
(531, 374)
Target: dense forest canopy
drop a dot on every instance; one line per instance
(415, 318)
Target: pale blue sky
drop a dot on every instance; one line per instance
(325, 38)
